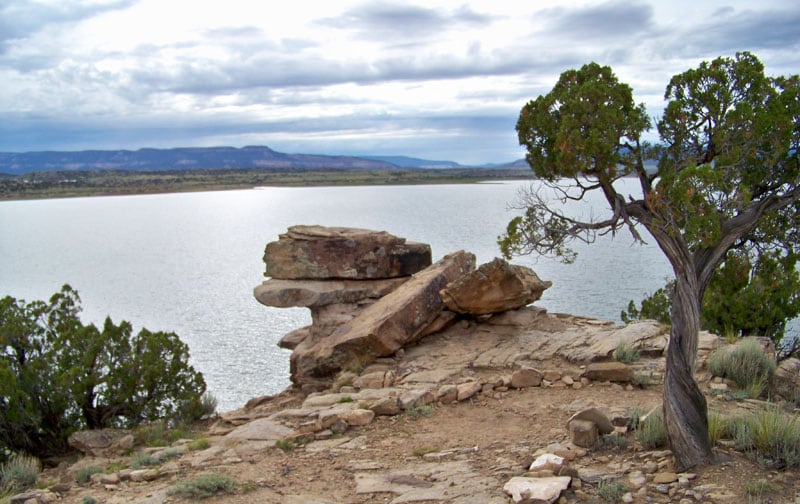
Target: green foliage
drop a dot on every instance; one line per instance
(422, 410)
(746, 364)
(204, 486)
(19, 473)
(198, 444)
(770, 436)
(626, 353)
(651, 432)
(719, 427)
(83, 475)
(88, 499)
(58, 375)
(611, 491)
(747, 278)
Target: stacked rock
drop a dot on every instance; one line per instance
(335, 272)
(371, 293)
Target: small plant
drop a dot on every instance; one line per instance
(770, 436)
(115, 466)
(641, 380)
(651, 432)
(82, 476)
(613, 441)
(88, 499)
(757, 488)
(626, 353)
(719, 427)
(611, 491)
(152, 434)
(421, 452)
(204, 486)
(286, 445)
(198, 444)
(140, 460)
(19, 473)
(422, 410)
(746, 364)
(346, 399)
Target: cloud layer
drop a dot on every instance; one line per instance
(442, 79)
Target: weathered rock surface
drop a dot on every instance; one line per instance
(543, 490)
(786, 381)
(307, 293)
(102, 442)
(609, 371)
(494, 287)
(317, 252)
(385, 326)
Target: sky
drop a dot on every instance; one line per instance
(435, 79)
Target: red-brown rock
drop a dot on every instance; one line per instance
(494, 287)
(317, 252)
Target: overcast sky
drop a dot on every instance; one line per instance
(433, 79)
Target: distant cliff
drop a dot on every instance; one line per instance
(190, 158)
(201, 158)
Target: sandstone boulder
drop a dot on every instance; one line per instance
(385, 326)
(545, 490)
(609, 371)
(494, 287)
(786, 381)
(101, 442)
(307, 293)
(317, 252)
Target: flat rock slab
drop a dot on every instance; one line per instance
(310, 293)
(522, 489)
(263, 429)
(454, 482)
(317, 252)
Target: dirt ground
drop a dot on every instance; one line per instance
(496, 434)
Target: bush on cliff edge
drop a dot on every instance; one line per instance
(58, 375)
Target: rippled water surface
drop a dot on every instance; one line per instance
(188, 263)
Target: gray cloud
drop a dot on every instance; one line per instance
(19, 19)
(385, 21)
(612, 20)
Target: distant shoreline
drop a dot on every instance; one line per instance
(76, 184)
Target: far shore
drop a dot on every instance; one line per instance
(47, 185)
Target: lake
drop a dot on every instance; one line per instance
(188, 262)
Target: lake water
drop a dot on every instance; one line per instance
(188, 262)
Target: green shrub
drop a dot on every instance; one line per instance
(719, 427)
(19, 473)
(58, 375)
(746, 364)
(757, 488)
(651, 432)
(88, 499)
(423, 410)
(627, 353)
(770, 436)
(198, 444)
(611, 491)
(83, 475)
(204, 486)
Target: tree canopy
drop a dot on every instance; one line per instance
(724, 172)
(58, 375)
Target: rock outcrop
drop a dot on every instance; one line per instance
(371, 294)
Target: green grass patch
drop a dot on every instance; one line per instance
(19, 473)
(770, 436)
(651, 432)
(626, 353)
(198, 444)
(202, 487)
(82, 476)
(417, 411)
(746, 364)
(611, 491)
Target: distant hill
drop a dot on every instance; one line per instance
(411, 162)
(199, 158)
(191, 158)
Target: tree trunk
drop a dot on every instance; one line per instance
(685, 409)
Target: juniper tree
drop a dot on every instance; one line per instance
(726, 170)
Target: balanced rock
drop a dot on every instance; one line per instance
(317, 252)
(385, 326)
(494, 287)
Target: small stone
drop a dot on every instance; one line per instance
(467, 390)
(583, 433)
(526, 377)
